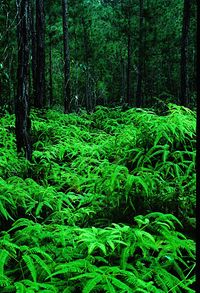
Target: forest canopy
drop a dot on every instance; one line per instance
(114, 45)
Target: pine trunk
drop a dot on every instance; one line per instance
(139, 99)
(50, 74)
(40, 55)
(128, 98)
(67, 89)
(33, 50)
(22, 123)
(88, 99)
(184, 88)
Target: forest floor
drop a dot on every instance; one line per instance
(104, 206)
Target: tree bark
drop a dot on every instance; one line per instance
(33, 51)
(22, 122)
(128, 97)
(139, 99)
(67, 87)
(50, 73)
(88, 94)
(40, 55)
(184, 88)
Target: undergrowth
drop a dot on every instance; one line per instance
(100, 207)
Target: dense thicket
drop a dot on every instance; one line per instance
(96, 209)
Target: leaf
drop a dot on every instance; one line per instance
(111, 289)
(20, 288)
(4, 212)
(39, 207)
(112, 245)
(120, 285)
(30, 264)
(92, 247)
(3, 258)
(90, 285)
(42, 263)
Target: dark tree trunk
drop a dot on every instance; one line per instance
(128, 97)
(184, 88)
(50, 73)
(198, 109)
(22, 123)
(40, 55)
(123, 81)
(67, 88)
(33, 50)
(88, 93)
(139, 98)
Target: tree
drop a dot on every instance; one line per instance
(184, 88)
(128, 93)
(111, 56)
(22, 123)
(129, 59)
(40, 55)
(33, 49)
(139, 99)
(88, 94)
(8, 54)
(67, 90)
(50, 72)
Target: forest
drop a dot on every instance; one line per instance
(98, 105)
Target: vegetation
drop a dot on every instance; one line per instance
(161, 53)
(99, 208)
(98, 146)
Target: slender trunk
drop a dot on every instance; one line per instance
(67, 89)
(50, 74)
(184, 88)
(139, 98)
(86, 57)
(33, 51)
(7, 61)
(122, 80)
(197, 69)
(128, 98)
(22, 123)
(40, 57)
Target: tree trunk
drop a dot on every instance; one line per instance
(139, 98)
(40, 55)
(198, 102)
(88, 99)
(184, 88)
(123, 81)
(128, 98)
(33, 51)
(22, 123)
(50, 73)
(67, 88)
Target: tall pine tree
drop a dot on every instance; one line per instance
(22, 123)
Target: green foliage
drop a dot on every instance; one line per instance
(106, 33)
(100, 207)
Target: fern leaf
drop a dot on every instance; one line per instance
(120, 285)
(4, 212)
(90, 285)
(31, 266)
(91, 247)
(42, 264)
(20, 288)
(3, 258)
(110, 287)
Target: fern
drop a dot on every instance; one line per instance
(96, 210)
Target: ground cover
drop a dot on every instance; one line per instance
(105, 206)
